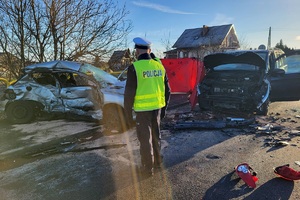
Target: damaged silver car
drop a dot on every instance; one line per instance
(235, 80)
(57, 87)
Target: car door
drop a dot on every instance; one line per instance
(83, 95)
(285, 82)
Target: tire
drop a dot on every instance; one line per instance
(263, 110)
(114, 119)
(20, 112)
(203, 104)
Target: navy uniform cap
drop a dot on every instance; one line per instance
(141, 43)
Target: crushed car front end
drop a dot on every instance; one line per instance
(234, 81)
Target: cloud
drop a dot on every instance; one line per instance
(221, 19)
(160, 8)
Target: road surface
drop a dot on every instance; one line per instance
(43, 160)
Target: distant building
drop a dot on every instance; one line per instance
(3, 67)
(120, 60)
(199, 42)
(10, 66)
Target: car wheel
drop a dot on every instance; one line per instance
(114, 119)
(20, 112)
(263, 110)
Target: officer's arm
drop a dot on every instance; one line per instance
(130, 90)
(167, 97)
(167, 90)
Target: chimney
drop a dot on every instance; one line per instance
(204, 30)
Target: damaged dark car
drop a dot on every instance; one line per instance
(236, 80)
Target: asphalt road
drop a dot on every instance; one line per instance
(74, 160)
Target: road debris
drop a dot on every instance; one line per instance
(214, 124)
(297, 163)
(295, 132)
(286, 172)
(200, 124)
(266, 128)
(276, 143)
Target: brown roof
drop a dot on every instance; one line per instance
(118, 55)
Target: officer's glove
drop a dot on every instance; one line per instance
(163, 113)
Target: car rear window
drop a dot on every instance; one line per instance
(236, 66)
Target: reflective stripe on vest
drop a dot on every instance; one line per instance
(150, 92)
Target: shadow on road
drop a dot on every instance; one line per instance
(80, 176)
(226, 188)
(275, 188)
(184, 145)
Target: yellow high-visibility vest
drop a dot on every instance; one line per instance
(150, 92)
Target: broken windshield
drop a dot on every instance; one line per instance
(101, 76)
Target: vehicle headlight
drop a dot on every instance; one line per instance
(10, 94)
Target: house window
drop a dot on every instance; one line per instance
(181, 54)
(230, 41)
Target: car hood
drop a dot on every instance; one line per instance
(117, 88)
(213, 60)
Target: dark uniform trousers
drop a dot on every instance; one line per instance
(148, 133)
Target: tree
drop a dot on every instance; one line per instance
(244, 44)
(284, 47)
(167, 43)
(13, 36)
(75, 30)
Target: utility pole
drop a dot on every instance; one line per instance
(269, 39)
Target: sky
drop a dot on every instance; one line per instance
(165, 20)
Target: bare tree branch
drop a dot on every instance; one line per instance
(43, 30)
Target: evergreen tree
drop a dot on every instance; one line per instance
(284, 47)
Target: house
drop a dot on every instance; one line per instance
(199, 42)
(10, 66)
(120, 60)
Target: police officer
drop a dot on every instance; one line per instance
(147, 92)
(155, 58)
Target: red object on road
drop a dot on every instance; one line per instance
(184, 74)
(287, 173)
(246, 173)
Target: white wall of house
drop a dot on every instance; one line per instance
(231, 40)
(192, 54)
